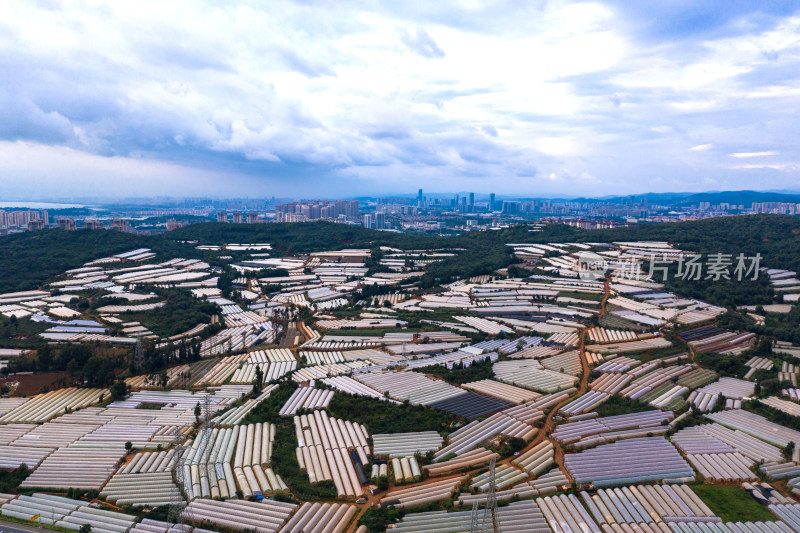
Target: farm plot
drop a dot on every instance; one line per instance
(45, 406)
(606, 429)
(405, 444)
(267, 516)
(306, 398)
(518, 517)
(66, 513)
(628, 461)
(152, 489)
(334, 450)
(757, 426)
(716, 438)
(489, 387)
(531, 375)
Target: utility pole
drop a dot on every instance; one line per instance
(138, 355)
(178, 504)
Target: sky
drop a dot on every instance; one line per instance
(323, 98)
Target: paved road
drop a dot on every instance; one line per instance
(13, 527)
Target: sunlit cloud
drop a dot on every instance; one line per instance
(744, 155)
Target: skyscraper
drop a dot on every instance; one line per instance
(491, 202)
(380, 221)
(368, 221)
(352, 210)
(419, 198)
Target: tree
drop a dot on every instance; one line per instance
(258, 380)
(197, 411)
(72, 366)
(788, 450)
(118, 390)
(86, 528)
(98, 370)
(45, 357)
(128, 446)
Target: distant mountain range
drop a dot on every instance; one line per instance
(745, 198)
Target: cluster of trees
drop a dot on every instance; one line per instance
(288, 239)
(378, 519)
(385, 417)
(30, 258)
(724, 365)
(95, 366)
(617, 405)
(155, 359)
(267, 273)
(267, 411)
(784, 327)
(10, 479)
(181, 313)
(460, 374)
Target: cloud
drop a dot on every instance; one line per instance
(422, 43)
(358, 97)
(489, 130)
(743, 155)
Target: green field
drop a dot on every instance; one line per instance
(732, 503)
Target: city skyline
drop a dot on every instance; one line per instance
(535, 99)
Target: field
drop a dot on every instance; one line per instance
(732, 504)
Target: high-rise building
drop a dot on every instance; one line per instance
(380, 221)
(472, 199)
(419, 198)
(352, 210)
(252, 217)
(368, 221)
(66, 224)
(237, 217)
(491, 202)
(222, 216)
(339, 208)
(35, 224)
(119, 224)
(92, 224)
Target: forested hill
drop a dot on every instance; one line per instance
(775, 237)
(288, 239)
(29, 259)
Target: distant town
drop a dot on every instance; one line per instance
(420, 213)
